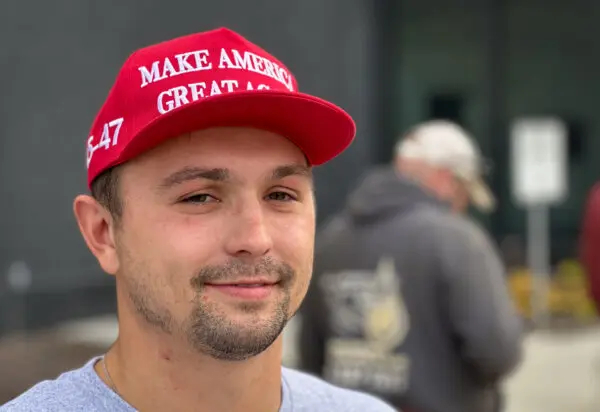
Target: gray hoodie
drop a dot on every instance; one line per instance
(409, 302)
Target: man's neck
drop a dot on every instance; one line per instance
(154, 375)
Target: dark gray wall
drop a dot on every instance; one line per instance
(59, 59)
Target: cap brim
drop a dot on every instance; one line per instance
(481, 195)
(320, 129)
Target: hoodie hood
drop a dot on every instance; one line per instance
(382, 192)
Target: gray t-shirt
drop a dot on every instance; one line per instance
(82, 390)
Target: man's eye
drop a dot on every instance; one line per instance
(199, 198)
(281, 197)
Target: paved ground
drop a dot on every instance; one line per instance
(561, 371)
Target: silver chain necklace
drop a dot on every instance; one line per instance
(111, 383)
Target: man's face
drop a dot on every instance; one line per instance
(216, 239)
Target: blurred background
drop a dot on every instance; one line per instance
(389, 63)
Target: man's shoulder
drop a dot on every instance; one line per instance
(71, 391)
(310, 393)
(442, 222)
(48, 395)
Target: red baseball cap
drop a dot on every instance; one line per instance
(209, 79)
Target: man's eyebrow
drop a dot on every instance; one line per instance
(291, 170)
(194, 173)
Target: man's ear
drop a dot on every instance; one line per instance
(97, 227)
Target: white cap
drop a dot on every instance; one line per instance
(444, 144)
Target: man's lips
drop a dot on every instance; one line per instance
(245, 282)
(251, 289)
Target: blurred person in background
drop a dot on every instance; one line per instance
(202, 207)
(589, 243)
(409, 299)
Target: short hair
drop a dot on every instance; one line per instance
(105, 189)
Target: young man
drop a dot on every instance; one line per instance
(202, 207)
(410, 299)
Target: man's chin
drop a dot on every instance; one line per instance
(236, 341)
(237, 330)
(239, 355)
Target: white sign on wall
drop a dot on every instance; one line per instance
(539, 160)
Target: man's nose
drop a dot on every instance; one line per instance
(248, 231)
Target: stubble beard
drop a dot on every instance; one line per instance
(212, 332)
(208, 329)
